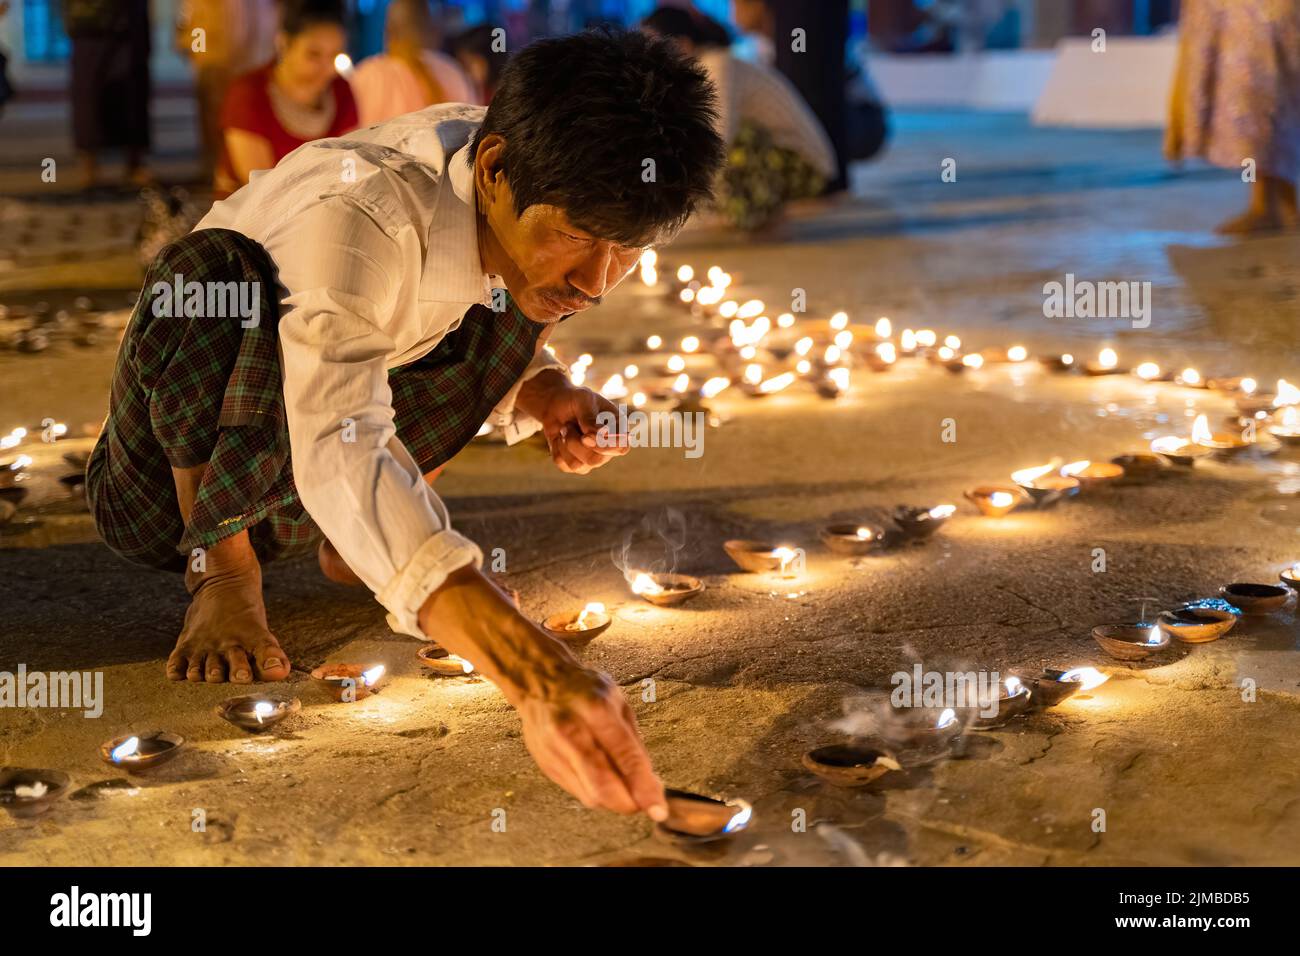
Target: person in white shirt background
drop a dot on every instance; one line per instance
(385, 244)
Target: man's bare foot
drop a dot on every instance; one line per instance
(225, 635)
(334, 567)
(1249, 223)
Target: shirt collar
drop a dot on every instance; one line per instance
(453, 271)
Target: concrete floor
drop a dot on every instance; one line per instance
(756, 670)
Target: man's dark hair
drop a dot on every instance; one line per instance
(299, 15)
(581, 114)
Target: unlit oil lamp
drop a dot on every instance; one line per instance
(1130, 642)
(349, 682)
(760, 556)
(921, 522)
(29, 793)
(994, 501)
(1196, 625)
(1140, 468)
(1050, 687)
(1044, 484)
(1093, 475)
(694, 818)
(853, 538)
(136, 754)
(848, 765)
(664, 589)
(1255, 598)
(578, 625)
(441, 661)
(257, 712)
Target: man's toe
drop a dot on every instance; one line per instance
(272, 664)
(176, 665)
(240, 670)
(215, 669)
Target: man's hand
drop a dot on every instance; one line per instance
(568, 414)
(578, 726)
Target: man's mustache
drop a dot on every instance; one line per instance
(571, 300)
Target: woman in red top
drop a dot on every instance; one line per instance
(298, 97)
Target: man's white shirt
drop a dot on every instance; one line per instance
(374, 238)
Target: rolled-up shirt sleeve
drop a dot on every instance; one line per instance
(354, 477)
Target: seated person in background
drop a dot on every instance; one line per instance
(410, 74)
(778, 148)
(298, 97)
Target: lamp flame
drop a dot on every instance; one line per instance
(1201, 433)
(939, 512)
(263, 709)
(1088, 677)
(644, 584)
(776, 383)
(1075, 468)
(714, 385)
(128, 748)
(1027, 476)
(370, 677)
(948, 717)
(1107, 358)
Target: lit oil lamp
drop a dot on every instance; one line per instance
(441, 661)
(1291, 576)
(1093, 475)
(853, 538)
(1150, 372)
(834, 383)
(1058, 363)
(921, 522)
(664, 589)
(30, 793)
(136, 754)
(1052, 687)
(349, 682)
(1013, 699)
(257, 712)
(759, 556)
(1255, 598)
(1184, 451)
(847, 765)
(1196, 625)
(1130, 642)
(1106, 363)
(581, 625)
(1287, 430)
(1224, 443)
(929, 730)
(694, 818)
(1191, 378)
(994, 501)
(1044, 484)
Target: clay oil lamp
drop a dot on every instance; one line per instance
(1255, 598)
(1232, 385)
(349, 682)
(664, 590)
(758, 556)
(1106, 363)
(13, 469)
(919, 523)
(1057, 363)
(1050, 687)
(1196, 625)
(1150, 372)
(1291, 576)
(1013, 699)
(136, 754)
(696, 819)
(834, 383)
(31, 793)
(1094, 475)
(1287, 430)
(1191, 378)
(1226, 444)
(927, 729)
(257, 712)
(846, 765)
(1130, 642)
(578, 625)
(1044, 485)
(1180, 451)
(1140, 468)
(441, 661)
(994, 501)
(853, 539)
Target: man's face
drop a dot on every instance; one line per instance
(551, 267)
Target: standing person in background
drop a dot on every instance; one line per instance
(1237, 98)
(110, 83)
(816, 67)
(410, 74)
(474, 51)
(298, 97)
(238, 36)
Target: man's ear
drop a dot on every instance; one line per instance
(489, 176)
